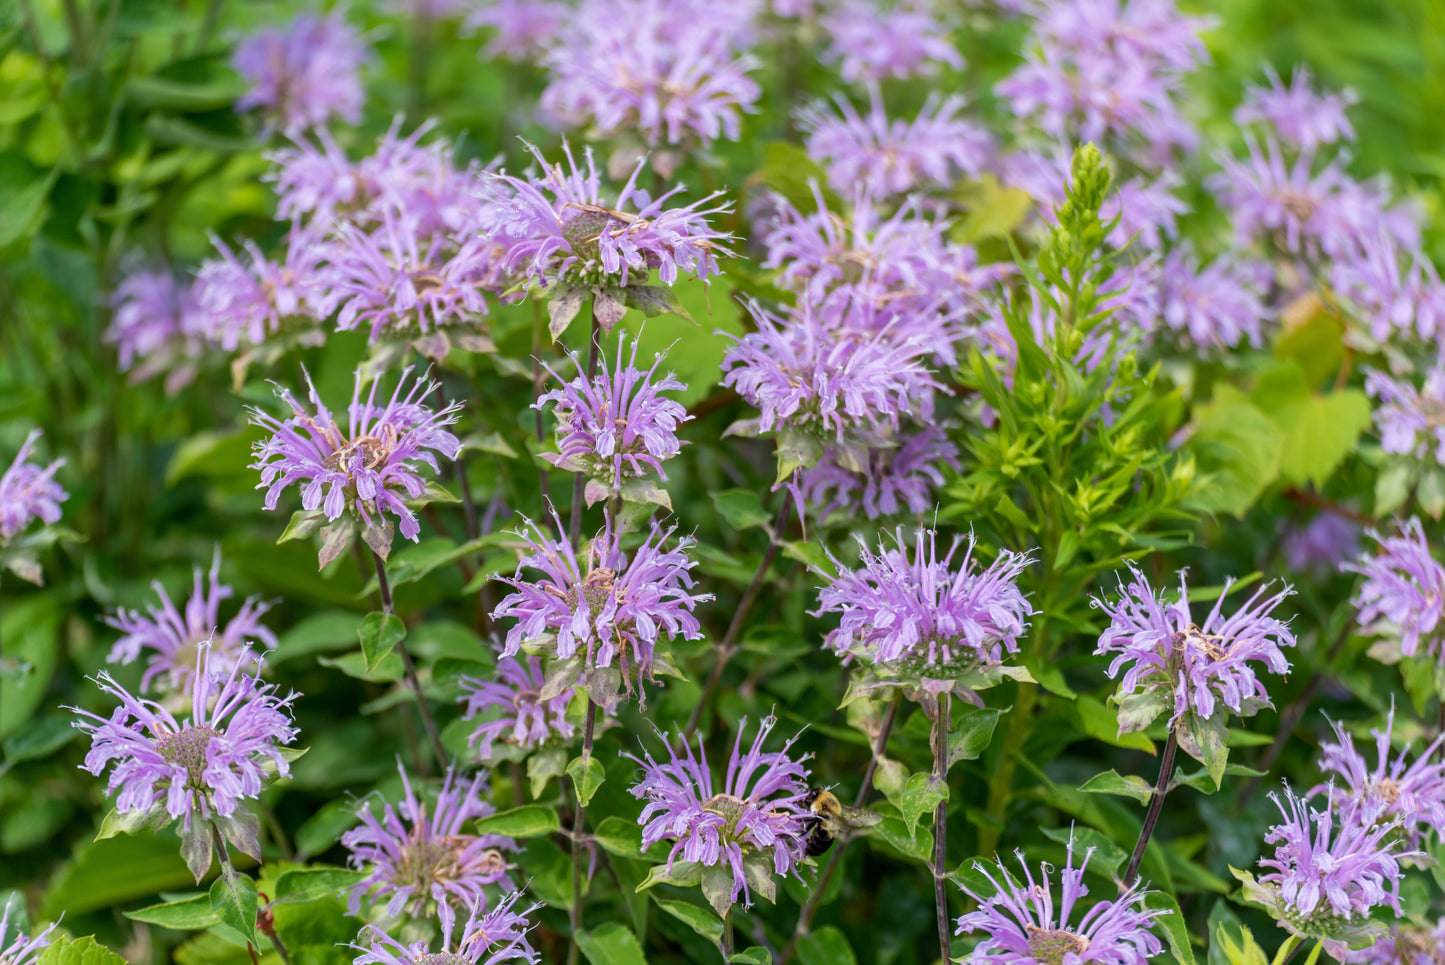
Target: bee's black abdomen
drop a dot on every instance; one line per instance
(818, 840)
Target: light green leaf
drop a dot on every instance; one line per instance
(183, 914)
(611, 944)
(233, 898)
(921, 795)
(972, 735)
(708, 926)
(379, 633)
(1172, 924)
(587, 776)
(300, 885)
(79, 951)
(527, 821)
(1112, 782)
(825, 946)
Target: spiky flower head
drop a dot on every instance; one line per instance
(29, 492)
(1411, 421)
(1320, 546)
(422, 858)
(1404, 945)
(1191, 670)
(19, 948)
(370, 467)
(613, 613)
(1299, 114)
(1393, 288)
(1402, 596)
(557, 228)
(1217, 306)
(873, 41)
(526, 720)
(616, 424)
(1408, 795)
(895, 479)
(242, 302)
(1326, 877)
(155, 328)
(522, 30)
(304, 73)
(1022, 925)
(175, 639)
(486, 938)
(198, 769)
(739, 835)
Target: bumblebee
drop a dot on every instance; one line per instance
(831, 817)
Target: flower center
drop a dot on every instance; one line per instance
(1301, 205)
(1388, 790)
(1212, 644)
(187, 749)
(597, 587)
(1048, 947)
(729, 807)
(440, 958)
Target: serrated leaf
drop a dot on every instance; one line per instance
(183, 914)
(544, 765)
(1112, 782)
(587, 776)
(380, 633)
(132, 822)
(742, 508)
(528, 821)
(79, 951)
(796, 450)
(1172, 924)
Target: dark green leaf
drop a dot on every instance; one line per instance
(527, 821)
(380, 633)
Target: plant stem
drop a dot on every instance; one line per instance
(427, 721)
(810, 906)
(574, 522)
(576, 911)
(728, 647)
(1156, 804)
(544, 487)
(727, 936)
(940, 824)
(469, 508)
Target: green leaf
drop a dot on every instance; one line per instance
(653, 300)
(683, 874)
(1112, 782)
(1319, 432)
(587, 777)
(544, 765)
(1393, 485)
(79, 951)
(527, 821)
(132, 822)
(717, 887)
(301, 885)
(972, 735)
(1317, 347)
(707, 925)
(304, 524)
(1238, 449)
(796, 450)
(20, 211)
(563, 305)
(183, 914)
(619, 836)
(755, 955)
(380, 633)
(826, 946)
(611, 944)
(742, 508)
(1172, 924)
(921, 795)
(233, 898)
(1048, 676)
(1107, 857)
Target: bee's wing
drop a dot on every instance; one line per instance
(860, 817)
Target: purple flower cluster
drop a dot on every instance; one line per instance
(614, 612)
(1023, 926)
(920, 613)
(242, 303)
(20, 949)
(176, 641)
(521, 29)
(1214, 307)
(1300, 115)
(895, 156)
(662, 72)
(872, 40)
(370, 467)
(1404, 945)
(525, 720)
(421, 859)
(200, 767)
(29, 492)
(1403, 594)
(155, 327)
(1411, 421)
(304, 73)
(757, 817)
(1398, 793)
(1322, 544)
(616, 424)
(895, 480)
(1394, 289)
(1186, 668)
(557, 228)
(486, 938)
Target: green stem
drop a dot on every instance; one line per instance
(409, 667)
(544, 486)
(579, 484)
(940, 825)
(577, 826)
(1156, 805)
(727, 937)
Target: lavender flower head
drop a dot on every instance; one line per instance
(557, 228)
(894, 156)
(498, 936)
(1186, 668)
(369, 468)
(1404, 945)
(1326, 878)
(1214, 307)
(20, 949)
(29, 492)
(154, 327)
(1321, 545)
(919, 613)
(242, 303)
(757, 820)
(658, 69)
(422, 859)
(304, 73)
(522, 29)
(1022, 925)
(872, 41)
(617, 424)
(176, 640)
(1393, 288)
(198, 769)
(1406, 795)
(1300, 115)
(1402, 595)
(895, 480)
(615, 612)
(1411, 421)
(526, 720)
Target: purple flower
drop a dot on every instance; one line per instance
(1214, 307)
(661, 71)
(371, 467)
(304, 73)
(428, 9)
(1325, 879)
(1395, 291)
(616, 425)
(498, 936)
(1411, 421)
(1299, 114)
(872, 41)
(1022, 926)
(1403, 593)
(895, 480)
(421, 860)
(242, 304)
(1322, 544)
(1406, 795)
(29, 492)
(526, 720)
(757, 819)
(155, 328)
(20, 950)
(895, 156)
(524, 29)
(614, 612)
(199, 768)
(176, 641)
(920, 613)
(557, 228)
(1404, 945)
(848, 386)
(1186, 668)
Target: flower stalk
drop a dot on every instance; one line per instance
(1156, 805)
(577, 828)
(940, 827)
(409, 668)
(579, 482)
